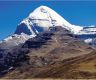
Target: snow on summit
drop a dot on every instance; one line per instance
(45, 13)
(41, 19)
(53, 18)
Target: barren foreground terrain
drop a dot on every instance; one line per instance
(58, 55)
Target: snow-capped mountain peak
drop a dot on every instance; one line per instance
(41, 19)
(46, 13)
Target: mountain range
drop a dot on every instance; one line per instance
(44, 45)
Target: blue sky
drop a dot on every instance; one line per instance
(76, 12)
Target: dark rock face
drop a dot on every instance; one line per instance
(38, 41)
(11, 57)
(23, 28)
(44, 37)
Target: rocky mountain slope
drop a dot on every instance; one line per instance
(52, 54)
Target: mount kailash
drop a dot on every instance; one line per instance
(41, 19)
